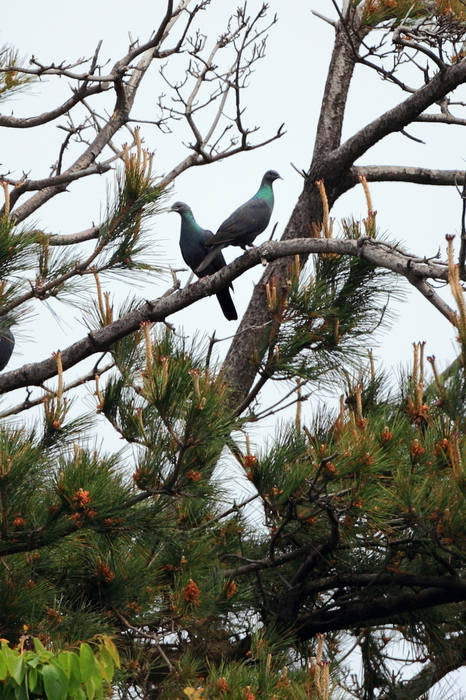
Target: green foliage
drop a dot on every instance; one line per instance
(144, 544)
(123, 237)
(323, 321)
(272, 674)
(378, 11)
(65, 272)
(175, 408)
(30, 670)
(11, 81)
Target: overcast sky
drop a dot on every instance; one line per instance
(287, 88)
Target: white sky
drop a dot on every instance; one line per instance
(286, 87)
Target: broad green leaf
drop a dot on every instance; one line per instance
(99, 690)
(63, 660)
(79, 694)
(86, 662)
(55, 682)
(38, 646)
(18, 670)
(74, 674)
(21, 692)
(9, 690)
(39, 687)
(10, 658)
(32, 678)
(3, 668)
(33, 661)
(44, 655)
(112, 650)
(106, 665)
(97, 678)
(90, 689)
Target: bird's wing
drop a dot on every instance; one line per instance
(216, 263)
(206, 235)
(252, 217)
(210, 259)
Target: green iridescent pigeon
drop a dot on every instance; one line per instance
(193, 249)
(246, 222)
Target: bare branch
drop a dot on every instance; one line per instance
(125, 95)
(22, 186)
(442, 664)
(415, 46)
(440, 119)
(401, 173)
(73, 238)
(31, 403)
(400, 116)
(29, 122)
(158, 310)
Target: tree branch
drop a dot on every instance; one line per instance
(380, 254)
(29, 122)
(73, 238)
(377, 608)
(440, 119)
(125, 95)
(401, 173)
(398, 117)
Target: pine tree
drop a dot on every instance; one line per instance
(137, 564)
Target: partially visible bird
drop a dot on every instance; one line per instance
(246, 222)
(7, 343)
(193, 249)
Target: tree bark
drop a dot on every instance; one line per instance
(334, 164)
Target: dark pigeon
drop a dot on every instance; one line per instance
(7, 343)
(193, 250)
(246, 222)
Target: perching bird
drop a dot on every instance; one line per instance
(246, 222)
(193, 250)
(7, 343)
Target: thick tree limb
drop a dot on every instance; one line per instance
(340, 73)
(158, 310)
(333, 164)
(401, 173)
(398, 117)
(389, 578)
(376, 608)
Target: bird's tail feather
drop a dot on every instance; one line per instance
(226, 302)
(208, 259)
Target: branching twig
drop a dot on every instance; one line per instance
(28, 403)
